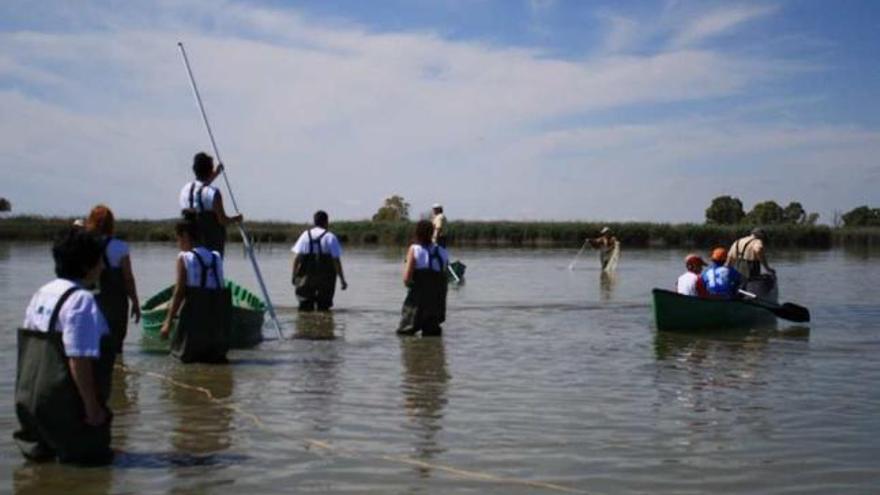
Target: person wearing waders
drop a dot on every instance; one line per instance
(424, 275)
(316, 264)
(117, 285)
(609, 249)
(204, 323)
(65, 361)
(201, 201)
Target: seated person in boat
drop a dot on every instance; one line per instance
(316, 264)
(720, 280)
(65, 361)
(690, 283)
(747, 255)
(202, 201)
(424, 275)
(117, 285)
(204, 325)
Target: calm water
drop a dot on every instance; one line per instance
(545, 380)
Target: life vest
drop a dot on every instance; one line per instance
(721, 281)
(315, 280)
(205, 323)
(424, 308)
(112, 298)
(48, 405)
(212, 234)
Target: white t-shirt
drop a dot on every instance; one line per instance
(80, 321)
(421, 257)
(194, 268)
(116, 250)
(208, 194)
(687, 284)
(329, 243)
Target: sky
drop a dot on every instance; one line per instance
(498, 109)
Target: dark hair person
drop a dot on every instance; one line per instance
(424, 275)
(65, 361)
(202, 299)
(316, 264)
(202, 202)
(117, 284)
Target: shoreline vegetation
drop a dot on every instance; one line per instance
(526, 234)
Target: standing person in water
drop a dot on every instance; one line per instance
(65, 361)
(747, 255)
(117, 284)
(316, 264)
(203, 202)
(609, 249)
(424, 275)
(205, 320)
(438, 220)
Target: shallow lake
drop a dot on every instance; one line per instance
(545, 381)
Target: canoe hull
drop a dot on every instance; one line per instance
(676, 312)
(248, 314)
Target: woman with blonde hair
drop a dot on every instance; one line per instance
(117, 285)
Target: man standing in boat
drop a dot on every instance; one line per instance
(202, 202)
(609, 249)
(747, 255)
(316, 264)
(438, 219)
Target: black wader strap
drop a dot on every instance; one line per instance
(740, 253)
(192, 188)
(315, 240)
(104, 252)
(204, 280)
(216, 274)
(434, 254)
(53, 320)
(199, 197)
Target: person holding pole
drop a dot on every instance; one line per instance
(203, 203)
(316, 264)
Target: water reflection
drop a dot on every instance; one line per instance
(607, 282)
(315, 325)
(203, 425)
(425, 384)
(42, 478)
(124, 403)
(318, 381)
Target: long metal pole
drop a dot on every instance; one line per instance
(249, 249)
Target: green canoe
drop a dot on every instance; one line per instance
(247, 316)
(455, 274)
(673, 311)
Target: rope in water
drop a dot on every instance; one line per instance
(320, 444)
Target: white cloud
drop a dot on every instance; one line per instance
(718, 22)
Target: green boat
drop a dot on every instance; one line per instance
(248, 312)
(455, 274)
(674, 311)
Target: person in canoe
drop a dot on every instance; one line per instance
(316, 264)
(438, 219)
(65, 361)
(424, 275)
(204, 324)
(609, 249)
(720, 280)
(117, 284)
(690, 283)
(748, 256)
(201, 201)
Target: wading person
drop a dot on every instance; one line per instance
(747, 255)
(117, 286)
(65, 361)
(438, 219)
(424, 275)
(201, 201)
(316, 264)
(720, 280)
(690, 283)
(204, 323)
(609, 249)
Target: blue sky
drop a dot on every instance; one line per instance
(532, 109)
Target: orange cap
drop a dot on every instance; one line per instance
(719, 255)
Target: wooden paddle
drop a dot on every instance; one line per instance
(787, 311)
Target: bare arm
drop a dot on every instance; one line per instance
(221, 212)
(759, 253)
(409, 267)
(176, 299)
(131, 288)
(338, 264)
(82, 371)
(297, 263)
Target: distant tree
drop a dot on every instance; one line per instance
(395, 209)
(725, 210)
(5, 205)
(811, 219)
(863, 216)
(766, 213)
(794, 213)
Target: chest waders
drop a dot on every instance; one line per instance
(47, 402)
(113, 300)
(424, 308)
(205, 320)
(315, 281)
(212, 234)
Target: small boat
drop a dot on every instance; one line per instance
(674, 311)
(248, 312)
(455, 274)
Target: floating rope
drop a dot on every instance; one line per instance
(320, 444)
